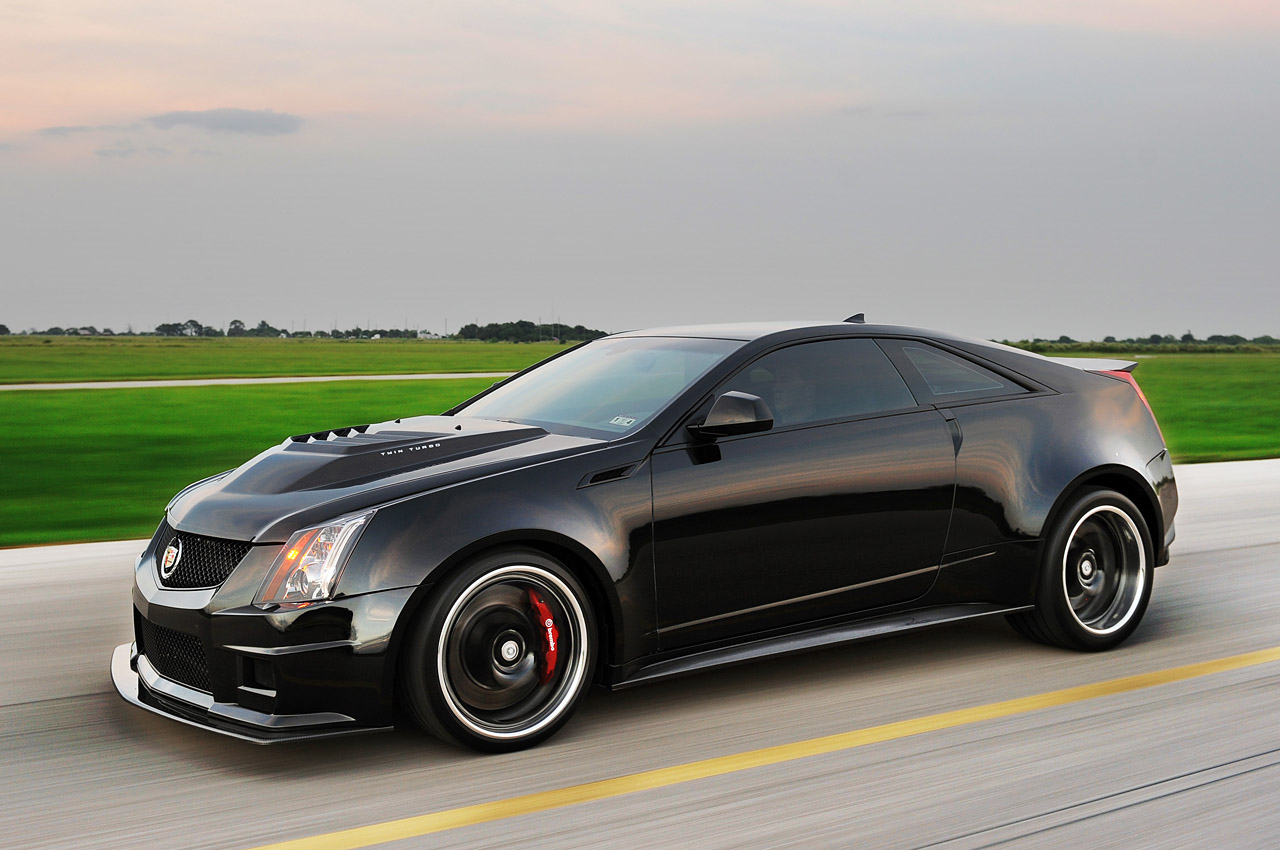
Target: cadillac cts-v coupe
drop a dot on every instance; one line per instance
(643, 506)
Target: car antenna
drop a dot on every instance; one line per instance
(857, 319)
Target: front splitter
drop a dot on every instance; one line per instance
(200, 711)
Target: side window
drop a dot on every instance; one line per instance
(820, 381)
(944, 376)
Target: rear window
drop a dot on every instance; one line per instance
(945, 376)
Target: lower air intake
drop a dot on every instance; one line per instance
(175, 655)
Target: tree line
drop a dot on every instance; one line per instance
(264, 329)
(519, 331)
(1155, 342)
(525, 331)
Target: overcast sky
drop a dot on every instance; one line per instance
(1001, 168)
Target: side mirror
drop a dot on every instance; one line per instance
(735, 413)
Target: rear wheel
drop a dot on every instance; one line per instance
(1095, 581)
(502, 654)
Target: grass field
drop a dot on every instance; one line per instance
(101, 464)
(32, 359)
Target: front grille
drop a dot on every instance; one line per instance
(205, 561)
(175, 655)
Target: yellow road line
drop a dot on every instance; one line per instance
(412, 827)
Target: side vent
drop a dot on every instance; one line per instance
(616, 474)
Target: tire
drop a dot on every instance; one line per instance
(502, 653)
(1095, 580)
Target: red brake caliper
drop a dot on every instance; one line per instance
(550, 634)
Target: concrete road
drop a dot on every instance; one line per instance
(1194, 763)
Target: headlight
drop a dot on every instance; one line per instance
(310, 563)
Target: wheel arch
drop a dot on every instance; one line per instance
(579, 560)
(1122, 480)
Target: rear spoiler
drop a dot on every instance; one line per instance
(1089, 365)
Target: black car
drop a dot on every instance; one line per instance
(642, 506)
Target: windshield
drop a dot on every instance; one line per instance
(612, 385)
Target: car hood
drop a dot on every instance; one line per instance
(313, 477)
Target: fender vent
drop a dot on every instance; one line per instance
(615, 474)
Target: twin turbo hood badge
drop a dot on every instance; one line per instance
(172, 555)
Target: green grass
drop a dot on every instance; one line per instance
(102, 464)
(33, 359)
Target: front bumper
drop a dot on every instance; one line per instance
(212, 659)
(138, 683)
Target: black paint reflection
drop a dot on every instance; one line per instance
(800, 517)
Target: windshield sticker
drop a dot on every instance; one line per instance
(624, 421)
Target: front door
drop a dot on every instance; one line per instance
(842, 506)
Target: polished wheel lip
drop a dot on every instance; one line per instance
(569, 687)
(1134, 592)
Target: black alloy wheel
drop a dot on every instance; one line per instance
(1095, 580)
(502, 653)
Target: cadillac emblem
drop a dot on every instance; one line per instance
(172, 556)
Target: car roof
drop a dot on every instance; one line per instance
(744, 331)
(749, 331)
(1045, 370)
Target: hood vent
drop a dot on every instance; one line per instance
(344, 457)
(357, 440)
(326, 435)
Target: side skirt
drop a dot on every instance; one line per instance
(800, 641)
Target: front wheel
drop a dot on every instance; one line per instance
(502, 654)
(1095, 581)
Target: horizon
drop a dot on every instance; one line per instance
(250, 331)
